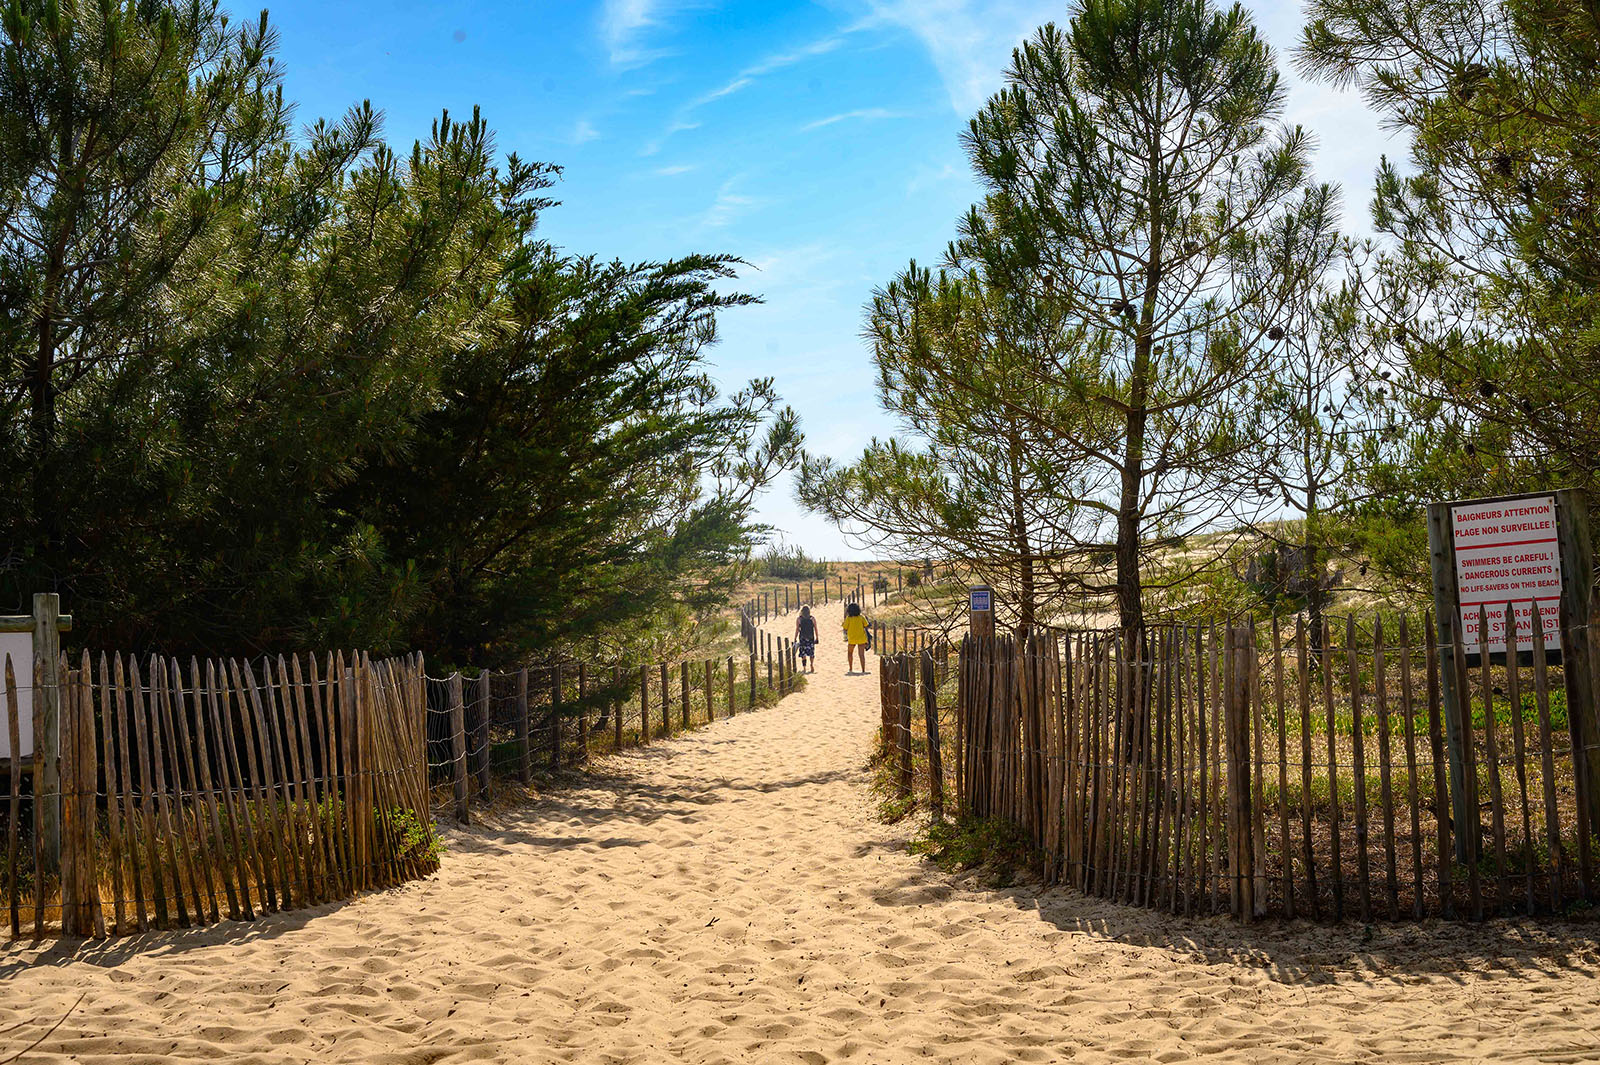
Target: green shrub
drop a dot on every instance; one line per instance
(790, 563)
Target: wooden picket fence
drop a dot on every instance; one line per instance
(1258, 770)
(545, 718)
(220, 789)
(230, 788)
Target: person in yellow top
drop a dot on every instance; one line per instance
(856, 637)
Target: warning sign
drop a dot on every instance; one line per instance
(1507, 552)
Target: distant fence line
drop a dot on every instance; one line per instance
(1204, 769)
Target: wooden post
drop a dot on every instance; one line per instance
(683, 690)
(752, 699)
(666, 700)
(458, 748)
(616, 706)
(1236, 722)
(1583, 715)
(47, 713)
(903, 730)
(485, 751)
(1448, 619)
(583, 711)
(980, 611)
(555, 718)
(733, 682)
(524, 753)
(930, 712)
(644, 704)
(711, 694)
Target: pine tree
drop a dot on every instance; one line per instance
(1138, 174)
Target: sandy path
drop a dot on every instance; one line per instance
(729, 897)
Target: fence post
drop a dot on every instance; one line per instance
(79, 889)
(458, 748)
(616, 705)
(666, 701)
(485, 762)
(583, 711)
(752, 699)
(644, 705)
(683, 691)
(555, 718)
(903, 732)
(732, 682)
(47, 712)
(711, 692)
(524, 759)
(1236, 723)
(930, 711)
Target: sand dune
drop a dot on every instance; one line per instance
(729, 897)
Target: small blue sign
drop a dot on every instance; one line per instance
(980, 599)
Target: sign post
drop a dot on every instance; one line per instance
(980, 610)
(1531, 551)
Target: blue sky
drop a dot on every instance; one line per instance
(817, 140)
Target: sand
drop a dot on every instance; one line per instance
(730, 897)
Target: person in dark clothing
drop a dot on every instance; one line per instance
(805, 638)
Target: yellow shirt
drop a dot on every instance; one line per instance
(855, 630)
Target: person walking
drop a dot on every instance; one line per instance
(805, 639)
(857, 638)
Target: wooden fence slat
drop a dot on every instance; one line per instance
(1283, 768)
(325, 792)
(1303, 681)
(1358, 769)
(176, 840)
(126, 789)
(524, 754)
(230, 793)
(1541, 690)
(710, 690)
(40, 665)
(666, 694)
(336, 775)
(209, 794)
(114, 820)
(199, 797)
(1472, 834)
(1519, 748)
(1406, 703)
(301, 741)
(683, 685)
(258, 735)
(1491, 757)
(14, 810)
(1441, 792)
(483, 740)
(246, 802)
(1583, 772)
(1380, 694)
(1183, 828)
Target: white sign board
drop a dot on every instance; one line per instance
(19, 645)
(1507, 553)
(980, 599)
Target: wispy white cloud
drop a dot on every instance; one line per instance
(753, 73)
(729, 205)
(673, 171)
(678, 126)
(625, 24)
(969, 41)
(584, 132)
(864, 114)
